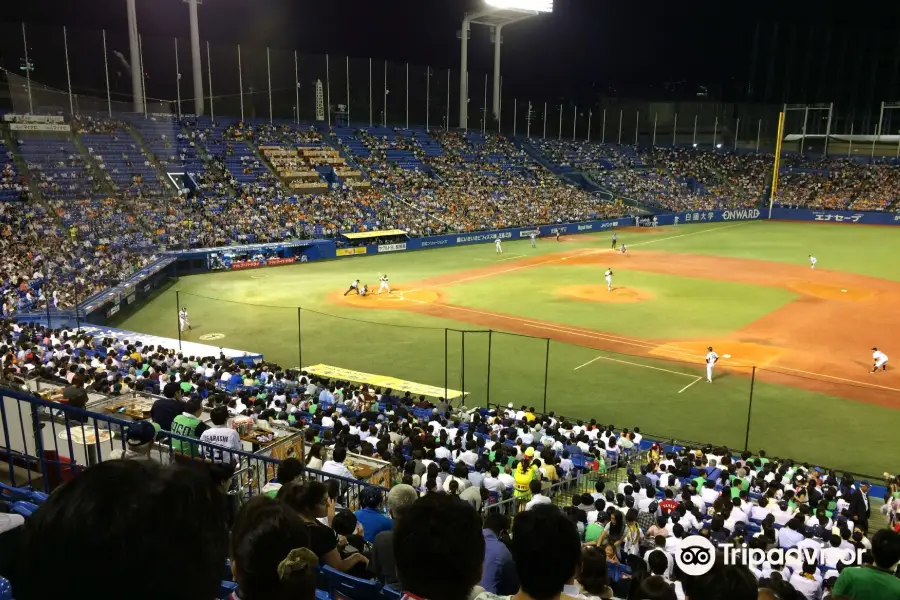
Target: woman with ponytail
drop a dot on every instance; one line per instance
(270, 558)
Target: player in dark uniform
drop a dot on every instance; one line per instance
(354, 287)
(557, 235)
(614, 241)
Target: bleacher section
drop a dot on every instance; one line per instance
(119, 155)
(12, 184)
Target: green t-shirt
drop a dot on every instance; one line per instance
(867, 583)
(185, 425)
(313, 407)
(592, 532)
(699, 482)
(186, 387)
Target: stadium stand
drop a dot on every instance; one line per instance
(623, 497)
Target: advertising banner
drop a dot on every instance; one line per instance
(256, 264)
(847, 217)
(391, 247)
(350, 251)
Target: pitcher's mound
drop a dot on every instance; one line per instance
(598, 293)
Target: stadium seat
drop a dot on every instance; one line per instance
(226, 588)
(342, 585)
(389, 593)
(5, 590)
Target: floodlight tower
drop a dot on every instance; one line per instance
(495, 14)
(196, 67)
(137, 81)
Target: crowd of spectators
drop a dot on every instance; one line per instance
(587, 156)
(450, 469)
(839, 184)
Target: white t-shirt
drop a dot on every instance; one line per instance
(221, 436)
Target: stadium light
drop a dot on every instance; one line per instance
(535, 5)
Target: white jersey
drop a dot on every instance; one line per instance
(711, 357)
(879, 357)
(384, 279)
(608, 274)
(497, 242)
(183, 316)
(813, 260)
(533, 235)
(354, 285)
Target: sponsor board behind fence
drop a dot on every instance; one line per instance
(845, 217)
(391, 247)
(256, 264)
(350, 251)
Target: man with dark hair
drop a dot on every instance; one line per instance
(220, 435)
(722, 582)
(439, 548)
(874, 582)
(547, 552)
(336, 465)
(142, 511)
(290, 469)
(188, 424)
(498, 574)
(166, 409)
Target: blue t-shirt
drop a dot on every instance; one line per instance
(373, 522)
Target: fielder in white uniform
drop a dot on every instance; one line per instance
(812, 261)
(533, 237)
(623, 248)
(384, 284)
(183, 321)
(497, 246)
(608, 276)
(880, 359)
(711, 360)
(676, 219)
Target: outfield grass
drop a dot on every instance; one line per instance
(261, 316)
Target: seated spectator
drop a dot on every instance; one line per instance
(139, 438)
(498, 574)
(592, 576)
(289, 469)
(437, 532)
(164, 410)
(382, 563)
(165, 506)
(270, 555)
(336, 465)
(877, 581)
(189, 425)
(371, 516)
(220, 435)
(535, 487)
(311, 501)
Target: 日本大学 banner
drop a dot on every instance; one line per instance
(846, 217)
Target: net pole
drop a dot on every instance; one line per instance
(758, 134)
(143, 73)
(328, 90)
(407, 95)
(546, 371)
(427, 97)
(241, 79)
(27, 69)
(674, 130)
(603, 129)
(177, 79)
(269, 77)
(177, 317)
(447, 111)
(749, 410)
(490, 339)
(106, 72)
(370, 91)
(737, 129)
(297, 88)
(777, 162)
(590, 114)
(637, 121)
(446, 344)
(68, 73)
(621, 115)
(299, 339)
(574, 123)
(347, 68)
(545, 120)
(212, 112)
(463, 365)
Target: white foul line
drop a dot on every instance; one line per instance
(625, 362)
(690, 384)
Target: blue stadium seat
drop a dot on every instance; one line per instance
(5, 590)
(342, 585)
(389, 593)
(226, 588)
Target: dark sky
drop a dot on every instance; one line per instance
(623, 47)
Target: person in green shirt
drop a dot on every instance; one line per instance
(188, 424)
(874, 582)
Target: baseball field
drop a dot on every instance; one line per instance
(537, 326)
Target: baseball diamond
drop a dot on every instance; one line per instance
(800, 338)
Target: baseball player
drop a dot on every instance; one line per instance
(364, 290)
(623, 248)
(676, 220)
(557, 235)
(354, 287)
(711, 359)
(533, 238)
(183, 321)
(614, 238)
(812, 261)
(497, 246)
(880, 359)
(608, 276)
(384, 284)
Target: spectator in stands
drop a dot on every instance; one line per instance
(188, 424)
(164, 410)
(592, 576)
(139, 438)
(547, 553)
(85, 526)
(655, 588)
(289, 469)
(498, 574)
(877, 581)
(371, 516)
(270, 555)
(382, 564)
(537, 498)
(74, 392)
(220, 435)
(315, 459)
(310, 500)
(336, 465)
(722, 582)
(439, 548)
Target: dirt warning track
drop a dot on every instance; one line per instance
(819, 342)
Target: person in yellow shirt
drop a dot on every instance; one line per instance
(529, 415)
(524, 474)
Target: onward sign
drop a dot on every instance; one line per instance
(740, 215)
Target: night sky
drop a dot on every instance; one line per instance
(758, 51)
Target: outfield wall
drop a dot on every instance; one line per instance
(836, 216)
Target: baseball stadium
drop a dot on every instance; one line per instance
(315, 313)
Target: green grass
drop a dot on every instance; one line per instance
(522, 293)
(619, 389)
